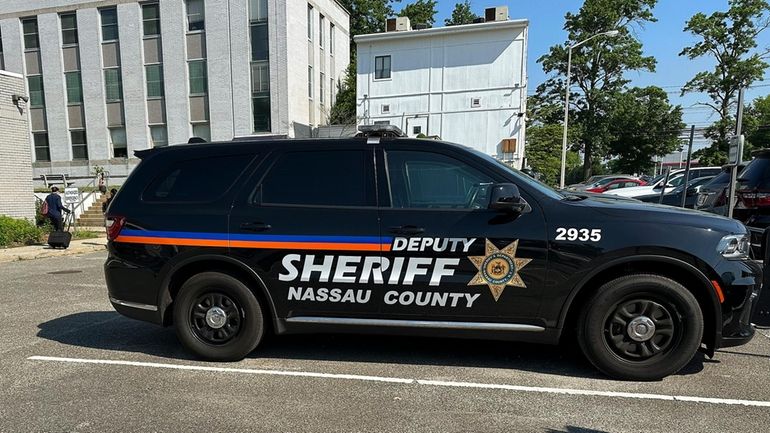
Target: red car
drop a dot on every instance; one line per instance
(617, 183)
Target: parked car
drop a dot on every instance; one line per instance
(590, 181)
(674, 198)
(712, 196)
(617, 184)
(752, 194)
(601, 182)
(674, 180)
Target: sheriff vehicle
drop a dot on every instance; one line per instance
(385, 234)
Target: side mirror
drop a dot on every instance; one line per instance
(694, 190)
(506, 197)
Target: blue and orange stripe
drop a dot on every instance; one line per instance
(283, 242)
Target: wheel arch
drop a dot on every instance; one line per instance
(184, 270)
(692, 278)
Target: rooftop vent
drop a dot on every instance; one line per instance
(402, 24)
(499, 13)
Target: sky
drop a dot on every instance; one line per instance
(663, 39)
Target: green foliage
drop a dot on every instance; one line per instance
(15, 231)
(729, 37)
(544, 152)
(598, 67)
(85, 234)
(756, 123)
(642, 125)
(343, 112)
(461, 14)
(420, 12)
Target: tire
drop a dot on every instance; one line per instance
(615, 337)
(238, 324)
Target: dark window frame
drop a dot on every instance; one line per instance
(379, 72)
(145, 21)
(110, 25)
(68, 30)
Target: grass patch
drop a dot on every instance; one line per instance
(85, 234)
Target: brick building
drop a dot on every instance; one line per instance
(16, 198)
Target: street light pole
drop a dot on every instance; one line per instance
(610, 33)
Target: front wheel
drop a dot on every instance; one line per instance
(640, 327)
(217, 317)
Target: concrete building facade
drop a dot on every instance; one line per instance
(465, 84)
(107, 78)
(16, 199)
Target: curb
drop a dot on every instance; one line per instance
(39, 252)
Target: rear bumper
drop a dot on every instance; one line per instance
(132, 291)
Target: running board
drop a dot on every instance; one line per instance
(393, 323)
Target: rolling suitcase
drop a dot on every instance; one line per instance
(60, 239)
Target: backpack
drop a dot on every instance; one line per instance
(44, 207)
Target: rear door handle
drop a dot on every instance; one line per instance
(255, 226)
(408, 230)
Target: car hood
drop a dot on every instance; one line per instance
(641, 212)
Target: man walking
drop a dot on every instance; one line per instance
(55, 208)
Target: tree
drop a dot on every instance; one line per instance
(756, 124)
(462, 14)
(544, 152)
(729, 38)
(643, 125)
(420, 12)
(598, 67)
(343, 112)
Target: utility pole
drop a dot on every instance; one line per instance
(687, 166)
(738, 158)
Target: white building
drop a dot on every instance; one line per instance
(465, 84)
(106, 78)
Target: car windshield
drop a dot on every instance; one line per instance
(523, 178)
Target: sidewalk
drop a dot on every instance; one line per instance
(82, 246)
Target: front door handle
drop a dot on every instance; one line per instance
(408, 230)
(255, 226)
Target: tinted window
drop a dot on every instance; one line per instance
(321, 178)
(431, 180)
(197, 180)
(756, 174)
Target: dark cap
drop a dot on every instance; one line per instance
(54, 189)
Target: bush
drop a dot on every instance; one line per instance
(18, 232)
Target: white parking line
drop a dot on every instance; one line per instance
(424, 382)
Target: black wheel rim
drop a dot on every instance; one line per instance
(641, 329)
(215, 318)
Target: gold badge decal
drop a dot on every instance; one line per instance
(498, 268)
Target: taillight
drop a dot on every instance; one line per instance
(114, 224)
(754, 199)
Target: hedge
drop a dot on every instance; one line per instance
(15, 231)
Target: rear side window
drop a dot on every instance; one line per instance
(321, 178)
(197, 180)
(756, 175)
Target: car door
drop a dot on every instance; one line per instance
(306, 222)
(450, 256)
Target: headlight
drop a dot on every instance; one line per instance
(734, 246)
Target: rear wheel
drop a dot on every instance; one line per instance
(640, 327)
(217, 317)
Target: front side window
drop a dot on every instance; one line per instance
(320, 178)
(198, 82)
(74, 87)
(184, 182)
(113, 85)
(381, 67)
(151, 19)
(109, 24)
(69, 29)
(36, 94)
(425, 180)
(31, 40)
(154, 81)
(195, 15)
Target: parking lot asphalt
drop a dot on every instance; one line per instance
(69, 363)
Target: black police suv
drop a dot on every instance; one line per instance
(231, 241)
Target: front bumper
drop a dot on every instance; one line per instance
(741, 284)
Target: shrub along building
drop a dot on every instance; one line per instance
(466, 84)
(107, 78)
(16, 199)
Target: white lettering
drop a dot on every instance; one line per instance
(295, 293)
(398, 262)
(399, 244)
(308, 296)
(440, 271)
(413, 268)
(360, 298)
(406, 298)
(344, 272)
(455, 297)
(390, 297)
(324, 268)
(439, 299)
(414, 244)
(467, 244)
(471, 298)
(335, 295)
(291, 270)
(322, 294)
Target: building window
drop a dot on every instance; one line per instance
(118, 140)
(36, 95)
(331, 39)
(31, 41)
(195, 15)
(109, 24)
(2, 61)
(74, 87)
(258, 10)
(475, 102)
(151, 19)
(42, 151)
(113, 86)
(331, 91)
(158, 135)
(69, 29)
(381, 67)
(309, 22)
(259, 44)
(310, 82)
(321, 21)
(202, 130)
(197, 71)
(385, 108)
(154, 81)
(79, 146)
(321, 81)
